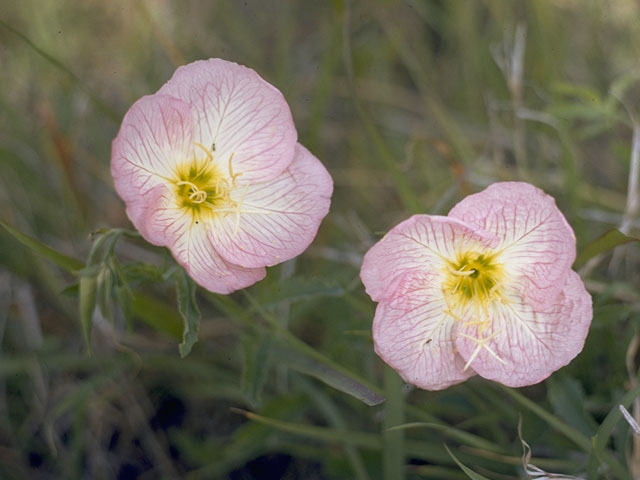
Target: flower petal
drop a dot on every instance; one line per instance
(195, 252)
(279, 218)
(156, 133)
(414, 335)
(239, 114)
(419, 243)
(529, 343)
(538, 245)
(192, 247)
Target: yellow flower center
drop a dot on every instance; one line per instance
(472, 280)
(202, 188)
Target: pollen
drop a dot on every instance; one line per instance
(472, 282)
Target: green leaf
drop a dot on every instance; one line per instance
(157, 315)
(583, 92)
(332, 413)
(567, 398)
(188, 308)
(257, 359)
(554, 422)
(455, 433)
(104, 292)
(296, 289)
(361, 439)
(68, 263)
(296, 354)
(87, 304)
(607, 241)
(601, 438)
(470, 473)
(291, 354)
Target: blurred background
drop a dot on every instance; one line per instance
(411, 105)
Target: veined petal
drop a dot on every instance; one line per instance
(537, 244)
(523, 344)
(192, 248)
(189, 240)
(156, 133)
(413, 334)
(278, 219)
(237, 113)
(422, 243)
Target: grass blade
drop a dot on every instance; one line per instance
(470, 473)
(607, 241)
(393, 439)
(70, 264)
(60, 66)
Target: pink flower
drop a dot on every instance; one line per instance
(487, 289)
(210, 167)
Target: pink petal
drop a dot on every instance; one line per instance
(415, 337)
(537, 242)
(196, 253)
(281, 216)
(165, 224)
(147, 213)
(155, 135)
(420, 243)
(531, 343)
(240, 114)
(192, 247)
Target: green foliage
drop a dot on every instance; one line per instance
(411, 105)
(189, 311)
(603, 244)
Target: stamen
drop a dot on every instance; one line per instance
(196, 195)
(208, 152)
(461, 272)
(482, 343)
(448, 310)
(231, 174)
(238, 206)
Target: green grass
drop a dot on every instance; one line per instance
(411, 105)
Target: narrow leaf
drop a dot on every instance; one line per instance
(470, 473)
(567, 398)
(601, 437)
(295, 289)
(554, 422)
(366, 440)
(87, 304)
(323, 370)
(296, 354)
(310, 361)
(452, 432)
(257, 359)
(607, 241)
(68, 263)
(188, 308)
(393, 452)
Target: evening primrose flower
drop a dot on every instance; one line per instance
(486, 290)
(210, 167)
